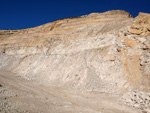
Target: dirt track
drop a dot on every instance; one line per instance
(19, 95)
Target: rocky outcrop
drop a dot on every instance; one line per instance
(141, 25)
(95, 52)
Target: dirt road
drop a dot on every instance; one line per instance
(22, 96)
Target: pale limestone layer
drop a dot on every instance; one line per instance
(96, 52)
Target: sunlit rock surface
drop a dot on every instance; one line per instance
(105, 52)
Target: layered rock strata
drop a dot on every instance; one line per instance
(106, 52)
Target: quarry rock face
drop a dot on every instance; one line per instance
(105, 52)
(141, 25)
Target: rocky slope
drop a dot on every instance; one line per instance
(21, 96)
(106, 52)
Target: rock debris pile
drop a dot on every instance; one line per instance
(137, 99)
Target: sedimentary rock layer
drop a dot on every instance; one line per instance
(105, 52)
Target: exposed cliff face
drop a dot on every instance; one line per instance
(98, 52)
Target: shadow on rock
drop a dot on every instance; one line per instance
(1, 85)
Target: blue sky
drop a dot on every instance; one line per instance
(19, 14)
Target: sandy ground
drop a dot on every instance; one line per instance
(22, 96)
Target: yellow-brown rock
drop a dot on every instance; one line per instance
(141, 25)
